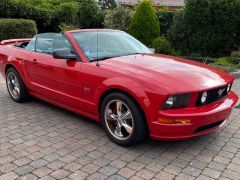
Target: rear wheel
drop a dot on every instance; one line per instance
(15, 86)
(123, 119)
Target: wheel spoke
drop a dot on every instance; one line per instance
(119, 107)
(118, 131)
(9, 82)
(13, 81)
(14, 92)
(127, 115)
(17, 89)
(16, 84)
(128, 128)
(110, 115)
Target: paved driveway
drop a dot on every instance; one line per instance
(38, 140)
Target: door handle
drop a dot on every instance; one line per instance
(34, 60)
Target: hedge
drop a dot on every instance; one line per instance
(207, 28)
(46, 20)
(17, 28)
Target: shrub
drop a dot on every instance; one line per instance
(89, 14)
(228, 69)
(17, 28)
(210, 27)
(235, 58)
(228, 64)
(46, 20)
(223, 61)
(119, 18)
(162, 46)
(166, 20)
(67, 27)
(145, 24)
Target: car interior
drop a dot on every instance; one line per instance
(46, 43)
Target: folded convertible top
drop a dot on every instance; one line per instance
(14, 41)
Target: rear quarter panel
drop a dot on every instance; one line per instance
(3, 59)
(15, 57)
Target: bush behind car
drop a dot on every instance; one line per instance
(17, 28)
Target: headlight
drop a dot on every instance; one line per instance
(229, 87)
(170, 101)
(204, 97)
(177, 101)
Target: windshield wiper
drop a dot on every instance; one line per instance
(102, 58)
(108, 57)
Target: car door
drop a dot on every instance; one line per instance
(54, 79)
(39, 67)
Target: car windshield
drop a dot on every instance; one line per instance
(106, 44)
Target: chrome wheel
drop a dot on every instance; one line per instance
(119, 119)
(13, 85)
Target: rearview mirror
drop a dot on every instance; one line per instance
(64, 54)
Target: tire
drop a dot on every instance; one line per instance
(22, 94)
(138, 122)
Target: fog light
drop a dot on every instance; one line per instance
(174, 121)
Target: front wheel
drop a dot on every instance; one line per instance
(123, 119)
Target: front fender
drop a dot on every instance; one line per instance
(135, 89)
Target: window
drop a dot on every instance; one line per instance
(31, 45)
(97, 45)
(49, 42)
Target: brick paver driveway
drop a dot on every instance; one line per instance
(38, 140)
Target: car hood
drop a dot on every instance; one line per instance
(175, 73)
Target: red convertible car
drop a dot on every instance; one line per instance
(109, 76)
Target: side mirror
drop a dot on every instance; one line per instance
(64, 54)
(152, 50)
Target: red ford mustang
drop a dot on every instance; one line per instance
(111, 77)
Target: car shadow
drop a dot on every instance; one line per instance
(146, 145)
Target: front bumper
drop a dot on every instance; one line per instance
(203, 120)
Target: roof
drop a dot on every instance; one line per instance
(168, 3)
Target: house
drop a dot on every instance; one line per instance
(170, 4)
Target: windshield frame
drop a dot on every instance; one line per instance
(100, 58)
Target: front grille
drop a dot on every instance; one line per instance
(213, 96)
(209, 126)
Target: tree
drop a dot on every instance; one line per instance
(210, 26)
(145, 24)
(165, 17)
(119, 18)
(107, 4)
(178, 34)
(68, 12)
(89, 14)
